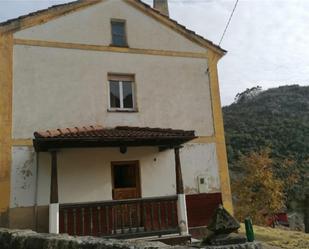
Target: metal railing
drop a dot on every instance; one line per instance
(120, 218)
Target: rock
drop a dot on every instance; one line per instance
(251, 245)
(221, 230)
(27, 239)
(296, 221)
(266, 246)
(222, 222)
(228, 239)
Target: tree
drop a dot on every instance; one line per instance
(257, 192)
(248, 94)
(278, 119)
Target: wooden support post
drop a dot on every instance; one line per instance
(181, 203)
(179, 181)
(54, 178)
(54, 202)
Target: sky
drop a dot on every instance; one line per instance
(267, 40)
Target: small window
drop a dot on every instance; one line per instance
(125, 176)
(119, 33)
(121, 90)
(126, 180)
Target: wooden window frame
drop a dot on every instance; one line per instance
(113, 20)
(121, 78)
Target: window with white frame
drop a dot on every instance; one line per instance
(121, 92)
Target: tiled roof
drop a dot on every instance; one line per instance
(121, 136)
(117, 133)
(75, 4)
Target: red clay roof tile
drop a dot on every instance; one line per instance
(113, 133)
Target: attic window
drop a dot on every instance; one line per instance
(119, 38)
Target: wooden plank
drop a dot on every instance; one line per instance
(179, 181)
(54, 179)
(122, 218)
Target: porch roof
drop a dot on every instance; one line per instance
(120, 136)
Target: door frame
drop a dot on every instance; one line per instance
(136, 163)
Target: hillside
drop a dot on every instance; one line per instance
(276, 119)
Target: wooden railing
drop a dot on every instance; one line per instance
(121, 218)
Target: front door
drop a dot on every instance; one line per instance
(126, 185)
(126, 180)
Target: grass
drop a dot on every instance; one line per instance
(284, 239)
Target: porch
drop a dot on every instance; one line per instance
(128, 214)
(121, 218)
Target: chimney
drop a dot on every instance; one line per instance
(162, 6)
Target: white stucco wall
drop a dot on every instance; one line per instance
(200, 160)
(58, 88)
(23, 175)
(55, 88)
(84, 175)
(92, 26)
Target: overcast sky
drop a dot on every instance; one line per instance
(267, 41)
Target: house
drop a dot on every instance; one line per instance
(111, 122)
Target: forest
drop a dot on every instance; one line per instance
(268, 131)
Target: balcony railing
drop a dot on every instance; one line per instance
(121, 218)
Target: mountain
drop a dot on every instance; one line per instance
(276, 119)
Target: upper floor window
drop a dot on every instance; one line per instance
(121, 92)
(119, 33)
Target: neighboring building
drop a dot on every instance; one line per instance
(118, 65)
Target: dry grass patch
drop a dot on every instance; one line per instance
(284, 239)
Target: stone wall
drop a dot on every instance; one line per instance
(27, 239)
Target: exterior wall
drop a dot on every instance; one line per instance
(78, 80)
(219, 132)
(23, 177)
(88, 172)
(92, 26)
(6, 54)
(34, 218)
(171, 92)
(199, 160)
(202, 207)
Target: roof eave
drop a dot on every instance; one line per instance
(43, 16)
(47, 144)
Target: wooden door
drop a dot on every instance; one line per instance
(126, 185)
(126, 180)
